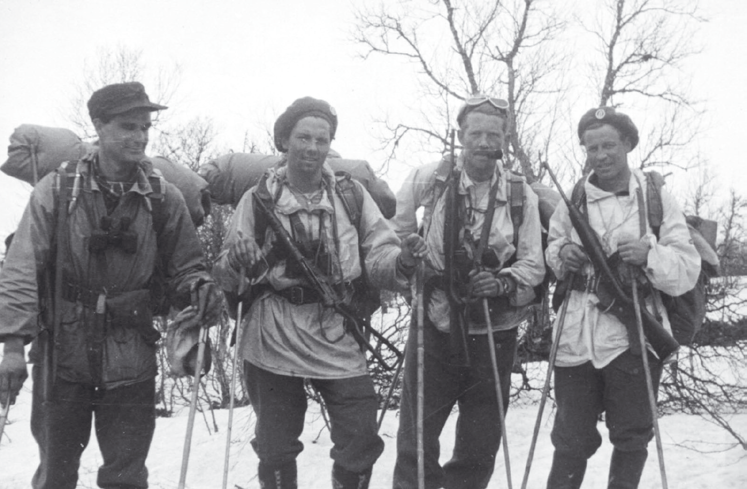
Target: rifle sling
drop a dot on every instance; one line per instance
(487, 224)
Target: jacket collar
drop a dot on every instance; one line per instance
(86, 169)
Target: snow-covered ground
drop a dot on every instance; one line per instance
(698, 455)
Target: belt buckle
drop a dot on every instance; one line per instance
(296, 295)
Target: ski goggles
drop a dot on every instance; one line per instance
(471, 103)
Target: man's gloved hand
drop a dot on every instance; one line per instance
(634, 251)
(485, 284)
(573, 257)
(244, 252)
(412, 251)
(12, 370)
(209, 301)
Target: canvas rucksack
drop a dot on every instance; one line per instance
(687, 311)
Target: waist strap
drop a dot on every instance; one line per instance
(73, 292)
(296, 295)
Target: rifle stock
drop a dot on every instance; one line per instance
(621, 306)
(329, 295)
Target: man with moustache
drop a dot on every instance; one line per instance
(288, 333)
(512, 264)
(596, 370)
(104, 257)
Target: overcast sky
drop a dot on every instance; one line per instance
(244, 61)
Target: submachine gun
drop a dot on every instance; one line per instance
(614, 297)
(330, 297)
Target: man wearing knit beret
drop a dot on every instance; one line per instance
(289, 333)
(599, 368)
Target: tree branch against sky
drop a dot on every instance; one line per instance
(120, 64)
(464, 48)
(640, 47)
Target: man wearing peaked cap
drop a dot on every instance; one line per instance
(119, 98)
(599, 368)
(94, 345)
(290, 332)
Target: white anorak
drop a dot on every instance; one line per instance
(309, 340)
(528, 270)
(673, 266)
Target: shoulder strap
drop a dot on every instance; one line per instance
(488, 224)
(654, 182)
(345, 187)
(578, 196)
(158, 208)
(351, 196)
(260, 219)
(516, 198)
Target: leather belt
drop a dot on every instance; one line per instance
(75, 293)
(298, 295)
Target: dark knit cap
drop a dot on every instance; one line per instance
(303, 107)
(120, 98)
(608, 115)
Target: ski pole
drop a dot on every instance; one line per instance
(649, 382)
(546, 388)
(193, 402)
(395, 380)
(4, 410)
(498, 390)
(237, 345)
(420, 312)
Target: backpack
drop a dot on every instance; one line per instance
(160, 301)
(687, 311)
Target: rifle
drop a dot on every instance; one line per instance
(330, 297)
(610, 286)
(458, 330)
(52, 280)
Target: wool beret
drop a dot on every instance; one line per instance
(120, 98)
(608, 115)
(303, 107)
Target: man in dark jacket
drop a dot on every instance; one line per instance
(118, 222)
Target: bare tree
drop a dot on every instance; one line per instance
(641, 46)
(119, 65)
(461, 49)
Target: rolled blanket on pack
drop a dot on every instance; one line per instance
(548, 200)
(229, 176)
(35, 151)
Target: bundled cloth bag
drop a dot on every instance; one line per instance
(35, 151)
(229, 176)
(182, 343)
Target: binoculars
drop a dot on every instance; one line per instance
(321, 260)
(118, 236)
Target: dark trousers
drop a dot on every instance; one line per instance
(478, 429)
(125, 419)
(280, 403)
(619, 390)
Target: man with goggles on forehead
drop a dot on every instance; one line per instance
(494, 260)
